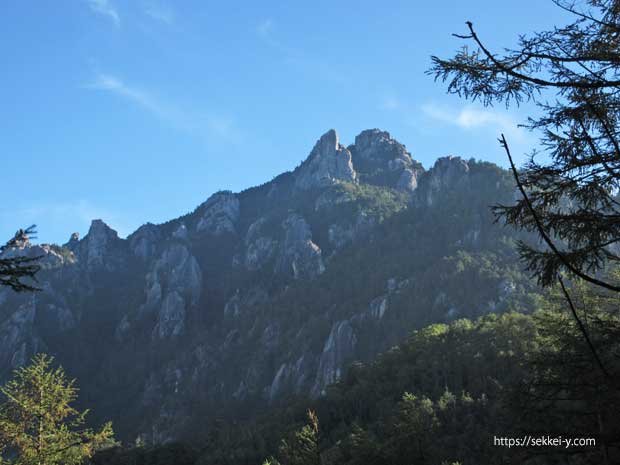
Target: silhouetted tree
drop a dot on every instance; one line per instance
(16, 271)
(570, 199)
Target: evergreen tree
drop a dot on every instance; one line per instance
(570, 199)
(17, 272)
(38, 424)
(302, 448)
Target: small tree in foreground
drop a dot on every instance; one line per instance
(38, 425)
(302, 448)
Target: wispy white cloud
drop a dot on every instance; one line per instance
(470, 118)
(265, 27)
(390, 103)
(114, 85)
(191, 120)
(160, 12)
(106, 9)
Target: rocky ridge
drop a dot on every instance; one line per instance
(264, 293)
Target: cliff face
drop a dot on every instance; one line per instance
(269, 292)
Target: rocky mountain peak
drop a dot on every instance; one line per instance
(375, 143)
(447, 173)
(448, 170)
(382, 160)
(100, 229)
(73, 241)
(328, 163)
(99, 241)
(219, 214)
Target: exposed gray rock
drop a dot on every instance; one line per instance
(279, 381)
(259, 248)
(73, 242)
(408, 181)
(219, 214)
(259, 252)
(173, 284)
(378, 307)
(328, 163)
(447, 173)
(337, 351)
(180, 232)
(171, 317)
(243, 301)
(143, 242)
(270, 336)
(96, 249)
(290, 376)
(376, 144)
(18, 340)
(376, 151)
(48, 256)
(299, 257)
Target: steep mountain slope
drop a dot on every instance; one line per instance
(270, 292)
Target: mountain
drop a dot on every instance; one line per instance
(259, 296)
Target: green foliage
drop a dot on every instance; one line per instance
(39, 425)
(302, 447)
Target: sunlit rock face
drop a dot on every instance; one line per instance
(266, 293)
(338, 349)
(447, 174)
(143, 242)
(219, 214)
(329, 162)
(299, 256)
(381, 160)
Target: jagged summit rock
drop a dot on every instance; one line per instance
(268, 292)
(328, 163)
(97, 245)
(375, 143)
(143, 241)
(446, 174)
(73, 241)
(379, 159)
(219, 214)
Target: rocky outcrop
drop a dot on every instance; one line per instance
(384, 161)
(328, 163)
(299, 257)
(173, 284)
(338, 350)
(99, 247)
(224, 303)
(171, 317)
(260, 248)
(180, 232)
(289, 377)
(447, 174)
(73, 241)
(243, 301)
(18, 339)
(219, 214)
(143, 242)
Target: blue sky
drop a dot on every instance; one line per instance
(136, 111)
